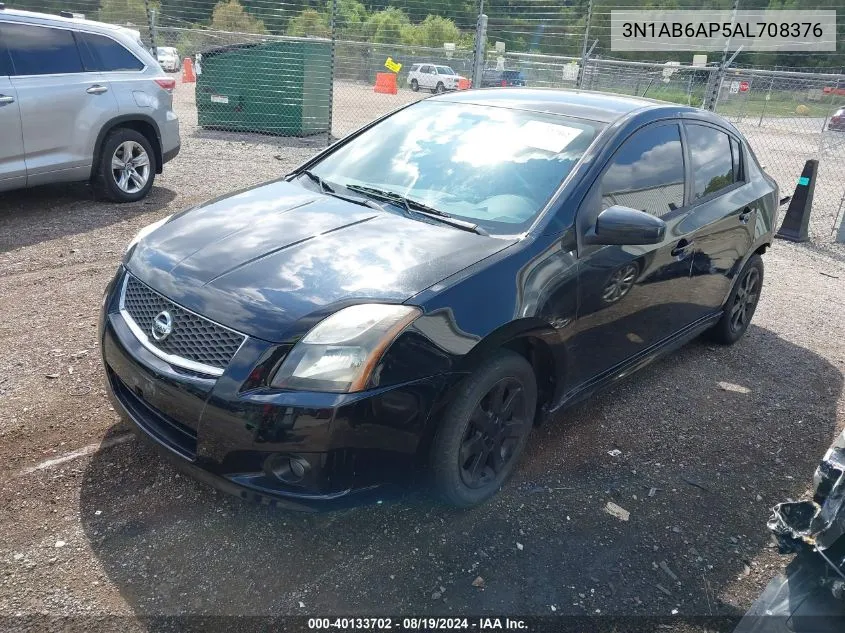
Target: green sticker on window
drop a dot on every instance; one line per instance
(803, 180)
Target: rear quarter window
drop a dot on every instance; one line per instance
(102, 53)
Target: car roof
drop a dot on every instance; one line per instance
(58, 20)
(596, 106)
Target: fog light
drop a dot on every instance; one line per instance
(289, 469)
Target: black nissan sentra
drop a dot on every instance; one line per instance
(422, 293)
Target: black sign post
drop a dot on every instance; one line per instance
(796, 222)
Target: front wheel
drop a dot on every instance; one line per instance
(440, 88)
(741, 304)
(415, 85)
(484, 431)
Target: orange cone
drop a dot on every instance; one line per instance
(188, 75)
(386, 83)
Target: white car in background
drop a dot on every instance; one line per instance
(168, 58)
(433, 77)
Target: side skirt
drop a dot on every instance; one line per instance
(636, 362)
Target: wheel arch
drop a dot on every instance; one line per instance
(759, 248)
(539, 343)
(142, 124)
(533, 339)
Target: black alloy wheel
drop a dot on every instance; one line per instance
(741, 304)
(485, 429)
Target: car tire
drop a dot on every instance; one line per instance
(741, 304)
(492, 416)
(439, 88)
(415, 85)
(106, 180)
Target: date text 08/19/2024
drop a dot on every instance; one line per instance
(416, 624)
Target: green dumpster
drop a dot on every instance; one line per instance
(277, 87)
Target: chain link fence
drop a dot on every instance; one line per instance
(316, 70)
(786, 118)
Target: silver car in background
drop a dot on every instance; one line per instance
(82, 100)
(168, 58)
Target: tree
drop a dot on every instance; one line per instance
(230, 16)
(123, 12)
(385, 27)
(309, 23)
(350, 19)
(434, 31)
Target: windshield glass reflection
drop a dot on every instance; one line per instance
(492, 166)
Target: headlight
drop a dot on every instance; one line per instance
(144, 233)
(340, 352)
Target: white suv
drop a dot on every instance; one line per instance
(168, 58)
(433, 77)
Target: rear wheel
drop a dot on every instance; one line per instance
(415, 85)
(126, 168)
(741, 304)
(484, 431)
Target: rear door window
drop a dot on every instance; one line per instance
(647, 172)
(102, 53)
(712, 161)
(38, 50)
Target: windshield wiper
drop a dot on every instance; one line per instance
(329, 190)
(323, 184)
(415, 206)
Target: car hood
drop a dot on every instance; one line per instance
(273, 260)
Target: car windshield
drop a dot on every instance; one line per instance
(491, 166)
(445, 70)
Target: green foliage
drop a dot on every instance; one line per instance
(434, 31)
(554, 28)
(191, 42)
(386, 27)
(231, 16)
(123, 12)
(309, 23)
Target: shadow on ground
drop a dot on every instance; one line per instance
(30, 216)
(700, 466)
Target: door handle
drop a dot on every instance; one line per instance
(745, 216)
(97, 89)
(5, 99)
(681, 248)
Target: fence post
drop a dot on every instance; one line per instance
(715, 85)
(766, 101)
(151, 23)
(332, 27)
(480, 44)
(584, 53)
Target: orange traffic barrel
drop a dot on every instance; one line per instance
(464, 84)
(188, 75)
(386, 83)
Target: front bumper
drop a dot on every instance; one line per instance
(232, 432)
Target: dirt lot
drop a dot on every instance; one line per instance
(94, 523)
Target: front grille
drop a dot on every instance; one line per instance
(193, 338)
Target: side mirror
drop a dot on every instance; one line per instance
(624, 226)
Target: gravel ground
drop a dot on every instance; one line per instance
(94, 523)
